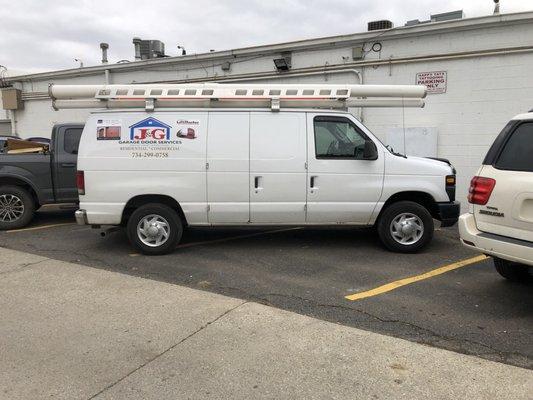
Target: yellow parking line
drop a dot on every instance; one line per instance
(35, 228)
(407, 281)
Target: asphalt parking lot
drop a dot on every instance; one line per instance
(341, 275)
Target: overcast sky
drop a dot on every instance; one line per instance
(39, 35)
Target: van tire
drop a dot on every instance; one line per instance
(512, 271)
(162, 216)
(413, 213)
(20, 199)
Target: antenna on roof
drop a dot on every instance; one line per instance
(104, 47)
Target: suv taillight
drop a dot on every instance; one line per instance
(480, 190)
(80, 182)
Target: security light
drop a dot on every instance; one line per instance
(283, 63)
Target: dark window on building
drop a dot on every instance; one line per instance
(517, 154)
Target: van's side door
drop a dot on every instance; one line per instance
(277, 167)
(228, 172)
(342, 186)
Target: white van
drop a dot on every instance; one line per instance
(157, 172)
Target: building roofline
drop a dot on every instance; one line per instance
(424, 28)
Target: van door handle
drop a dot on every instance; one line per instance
(68, 165)
(257, 184)
(313, 181)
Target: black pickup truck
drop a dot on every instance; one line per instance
(31, 180)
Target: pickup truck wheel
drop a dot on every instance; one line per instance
(405, 227)
(512, 271)
(16, 207)
(154, 229)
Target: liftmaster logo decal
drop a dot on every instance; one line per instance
(150, 129)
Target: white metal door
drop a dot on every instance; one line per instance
(277, 167)
(228, 156)
(342, 187)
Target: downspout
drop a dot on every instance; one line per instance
(13, 122)
(106, 76)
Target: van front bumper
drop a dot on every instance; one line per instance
(448, 213)
(81, 217)
(520, 251)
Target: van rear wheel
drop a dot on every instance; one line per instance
(154, 229)
(405, 227)
(512, 271)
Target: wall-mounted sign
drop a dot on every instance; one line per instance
(435, 81)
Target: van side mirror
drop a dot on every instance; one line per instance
(371, 151)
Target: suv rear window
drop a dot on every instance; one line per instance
(517, 154)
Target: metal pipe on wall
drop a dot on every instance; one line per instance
(13, 122)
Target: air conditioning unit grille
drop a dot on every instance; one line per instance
(381, 24)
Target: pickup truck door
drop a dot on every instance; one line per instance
(342, 187)
(64, 161)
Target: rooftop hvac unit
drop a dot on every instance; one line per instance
(378, 25)
(147, 49)
(447, 16)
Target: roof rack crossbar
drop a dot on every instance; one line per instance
(274, 96)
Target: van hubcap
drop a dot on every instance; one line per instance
(11, 208)
(406, 228)
(153, 230)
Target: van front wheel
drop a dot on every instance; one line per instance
(405, 227)
(154, 229)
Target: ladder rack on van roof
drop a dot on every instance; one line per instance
(215, 95)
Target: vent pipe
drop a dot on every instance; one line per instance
(104, 47)
(496, 7)
(137, 44)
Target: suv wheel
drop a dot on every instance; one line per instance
(16, 207)
(511, 270)
(154, 229)
(405, 227)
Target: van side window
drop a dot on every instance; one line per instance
(517, 155)
(71, 140)
(338, 138)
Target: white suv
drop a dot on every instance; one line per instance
(500, 221)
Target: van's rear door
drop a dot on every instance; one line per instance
(509, 210)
